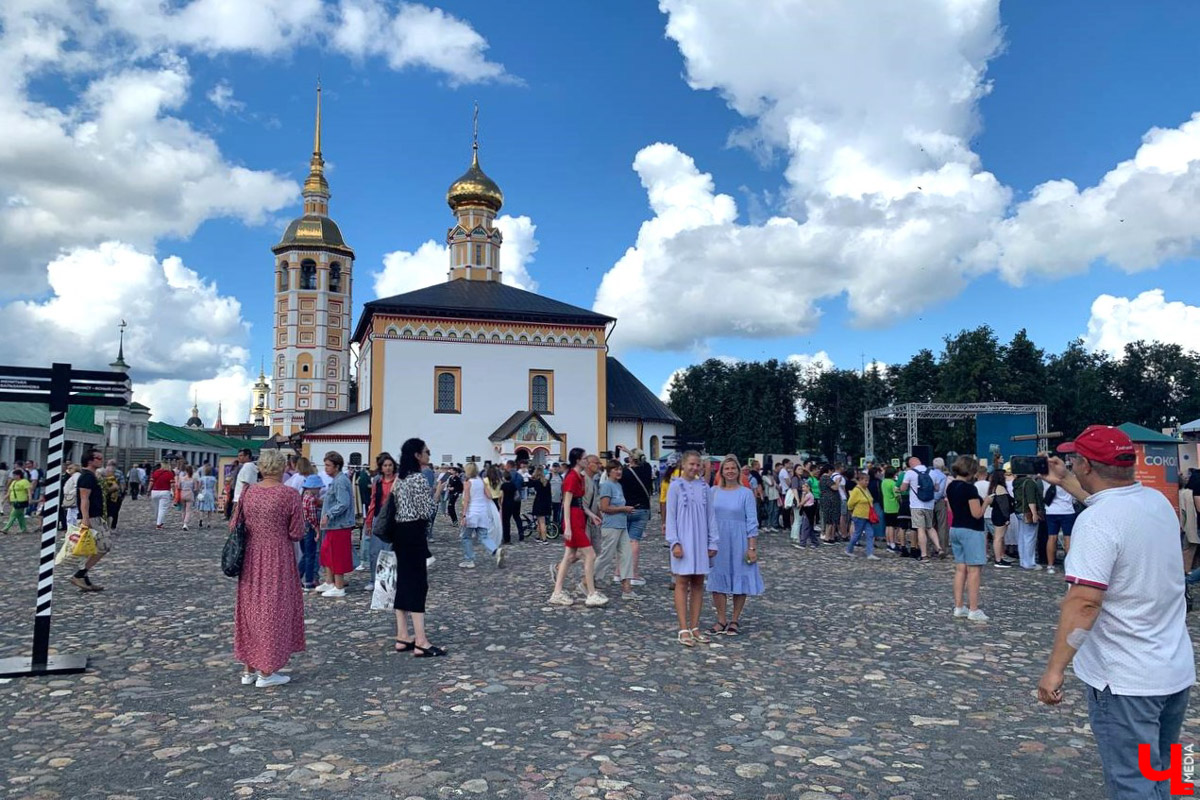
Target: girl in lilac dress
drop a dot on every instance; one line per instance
(691, 530)
(735, 569)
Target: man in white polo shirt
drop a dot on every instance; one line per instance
(1123, 619)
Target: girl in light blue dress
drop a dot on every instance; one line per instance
(735, 568)
(206, 496)
(691, 530)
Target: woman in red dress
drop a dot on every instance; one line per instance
(576, 543)
(269, 616)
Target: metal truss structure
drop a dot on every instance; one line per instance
(911, 412)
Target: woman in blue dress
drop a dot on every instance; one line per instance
(206, 496)
(691, 531)
(735, 568)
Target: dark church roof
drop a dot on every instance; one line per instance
(312, 230)
(628, 398)
(464, 299)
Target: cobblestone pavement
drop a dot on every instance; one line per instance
(851, 680)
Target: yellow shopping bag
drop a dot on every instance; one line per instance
(85, 546)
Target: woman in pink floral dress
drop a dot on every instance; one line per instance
(269, 618)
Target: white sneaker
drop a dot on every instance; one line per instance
(637, 582)
(500, 552)
(977, 616)
(595, 600)
(275, 679)
(324, 587)
(616, 579)
(249, 678)
(561, 599)
(630, 596)
(334, 592)
(361, 568)
(960, 611)
(466, 564)
(429, 562)
(873, 557)
(370, 587)
(1050, 570)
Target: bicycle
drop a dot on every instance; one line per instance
(530, 522)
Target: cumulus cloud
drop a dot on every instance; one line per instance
(180, 325)
(883, 200)
(812, 362)
(405, 271)
(1117, 321)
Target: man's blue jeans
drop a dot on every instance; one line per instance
(375, 546)
(772, 514)
(1120, 723)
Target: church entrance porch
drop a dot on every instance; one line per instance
(526, 436)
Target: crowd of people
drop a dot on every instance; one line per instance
(1126, 592)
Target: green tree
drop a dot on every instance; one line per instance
(971, 368)
(1024, 371)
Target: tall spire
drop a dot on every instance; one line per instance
(119, 365)
(475, 139)
(219, 424)
(316, 188)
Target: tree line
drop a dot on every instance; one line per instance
(781, 407)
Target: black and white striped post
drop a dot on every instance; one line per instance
(59, 386)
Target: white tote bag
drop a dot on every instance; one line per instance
(384, 596)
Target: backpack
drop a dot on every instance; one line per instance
(925, 487)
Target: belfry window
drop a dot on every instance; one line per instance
(335, 277)
(308, 274)
(283, 276)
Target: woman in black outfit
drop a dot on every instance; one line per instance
(414, 508)
(541, 502)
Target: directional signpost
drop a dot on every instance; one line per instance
(59, 386)
(681, 443)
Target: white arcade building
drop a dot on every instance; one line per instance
(477, 368)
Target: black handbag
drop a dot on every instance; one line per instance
(233, 554)
(383, 525)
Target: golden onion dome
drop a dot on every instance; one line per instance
(475, 187)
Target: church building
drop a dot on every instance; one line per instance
(471, 365)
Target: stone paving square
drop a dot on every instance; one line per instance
(850, 681)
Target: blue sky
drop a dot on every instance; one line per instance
(582, 89)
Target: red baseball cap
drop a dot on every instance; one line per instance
(1103, 444)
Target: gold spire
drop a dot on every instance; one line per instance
(475, 187)
(316, 188)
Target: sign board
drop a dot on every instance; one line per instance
(1158, 468)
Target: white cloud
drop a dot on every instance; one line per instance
(170, 400)
(182, 330)
(221, 96)
(1117, 321)
(812, 362)
(664, 393)
(414, 35)
(117, 164)
(405, 271)
(884, 200)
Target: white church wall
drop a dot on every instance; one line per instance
(495, 384)
(624, 433)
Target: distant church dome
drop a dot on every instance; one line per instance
(475, 187)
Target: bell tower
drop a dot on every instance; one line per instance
(474, 242)
(313, 279)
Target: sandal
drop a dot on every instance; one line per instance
(403, 646)
(433, 651)
(700, 637)
(719, 629)
(731, 629)
(685, 638)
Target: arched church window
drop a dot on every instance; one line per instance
(540, 392)
(446, 390)
(335, 277)
(283, 276)
(479, 254)
(308, 274)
